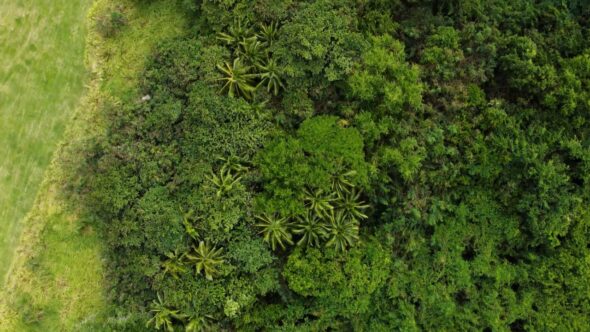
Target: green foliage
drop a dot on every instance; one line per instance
(407, 157)
(173, 63)
(336, 287)
(442, 54)
(249, 254)
(319, 41)
(159, 214)
(423, 165)
(320, 151)
(385, 76)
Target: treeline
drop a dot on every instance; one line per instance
(364, 165)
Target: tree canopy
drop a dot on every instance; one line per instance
(354, 165)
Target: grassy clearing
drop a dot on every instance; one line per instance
(56, 281)
(41, 81)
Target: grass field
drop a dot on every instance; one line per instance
(56, 280)
(41, 80)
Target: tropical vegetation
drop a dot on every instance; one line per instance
(350, 165)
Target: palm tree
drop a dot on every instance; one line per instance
(174, 264)
(342, 183)
(275, 230)
(224, 181)
(311, 229)
(237, 33)
(188, 225)
(234, 164)
(317, 202)
(259, 107)
(163, 316)
(252, 50)
(206, 259)
(198, 323)
(238, 79)
(351, 205)
(269, 76)
(268, 33)
(342, 231)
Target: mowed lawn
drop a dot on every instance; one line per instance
(42, 77)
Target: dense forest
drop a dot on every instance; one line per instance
(351, 165)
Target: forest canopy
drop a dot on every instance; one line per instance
(352, 165)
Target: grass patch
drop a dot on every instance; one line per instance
(41, 81)
(123, 56)
(56, 281)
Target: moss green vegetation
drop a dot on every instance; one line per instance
(343, 165)
(41, 81)
(56, 282)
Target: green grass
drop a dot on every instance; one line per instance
(56, 280)
(59, 286)
(41, 80)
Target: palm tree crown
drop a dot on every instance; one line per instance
(269, 76)
(342, 183)
(342, 231)
(174, 265)
(268, 33)
(319, 202)
(311, 229)
(237, 33)
(351, 205)
(163, 316)
(224, 181)
(238, 79)
(206, 259)
(275, 230)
